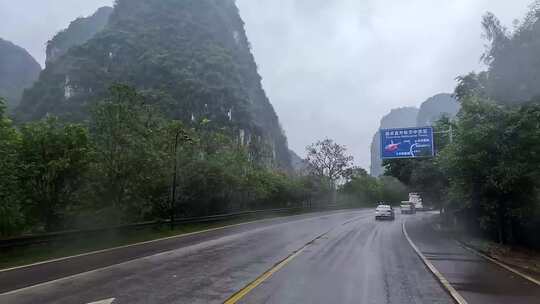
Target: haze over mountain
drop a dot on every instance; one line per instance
(435, 107)
(397, 118)
(430, 111)
(18, 71)
(78, 32)
(330, 68)
(192, 57)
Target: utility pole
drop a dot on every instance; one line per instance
(175, 175)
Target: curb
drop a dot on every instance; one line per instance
(442, 280)
(500, 264)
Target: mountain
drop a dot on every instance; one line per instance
(430, 111)
(436, 107)
(193, 56)
(18, 71)
(397, 118)
(79, 31)
(299, 164)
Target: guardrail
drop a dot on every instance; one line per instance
(78, 234)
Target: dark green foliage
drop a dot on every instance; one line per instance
(18, 70)
(53, 157)
(194, 54)
(11, 215)
(118, 168)
(514, 65)
(488, 177)
(364, 190)
(78, 32)
(424, 175)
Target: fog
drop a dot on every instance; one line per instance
(331, 68)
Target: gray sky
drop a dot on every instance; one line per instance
(330, 68)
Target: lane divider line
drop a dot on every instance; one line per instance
(507, 267)
(442, 280)
(148, 242)
(106, 301)
(239, 295)
(77, 275)
(244, 291)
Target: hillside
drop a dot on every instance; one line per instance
(192, 57)
(397, 118)
(78, 32)
(18, 70)
(436, 107)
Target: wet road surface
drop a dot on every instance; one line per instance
(476, 279)
(346, 257)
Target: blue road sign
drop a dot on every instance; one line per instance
(407, 143)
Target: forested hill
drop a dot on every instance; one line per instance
(397, 118)
(78, 32)
(192, 57)
(18, 70)
(436, 107)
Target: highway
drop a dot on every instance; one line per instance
(325, 257)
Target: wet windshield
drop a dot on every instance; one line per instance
(269, 151)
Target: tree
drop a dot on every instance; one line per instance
(133, 155)
(329, 161)
(11, 215)
(54, 157)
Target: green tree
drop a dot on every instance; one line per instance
(133, 158)
(11, 215)
(53, 157)
(329, 161)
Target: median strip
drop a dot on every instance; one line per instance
(442, 280)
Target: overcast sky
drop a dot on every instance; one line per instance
(330, 68)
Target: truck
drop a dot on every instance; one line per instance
(407, 207)
(416, 199)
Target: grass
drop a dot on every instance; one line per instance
(20, 256)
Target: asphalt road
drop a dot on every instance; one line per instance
(344, 257)
(475, 278)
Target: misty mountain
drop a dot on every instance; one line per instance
(298, 163)
(430, 111)
(436, 107)
(78, 32)
(191, 57)
(18, 71)
(397, 118)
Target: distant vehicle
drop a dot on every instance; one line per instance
(416, 199)
(407, 208)
(384, 212)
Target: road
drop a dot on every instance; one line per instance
(326, 257)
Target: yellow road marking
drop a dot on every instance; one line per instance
(244, 291)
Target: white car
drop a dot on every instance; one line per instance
(384, 212)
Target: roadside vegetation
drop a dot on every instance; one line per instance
(118, 167)
(488, 177)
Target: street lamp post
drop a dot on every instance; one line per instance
(175, 177)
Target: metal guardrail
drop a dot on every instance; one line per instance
(77, 234)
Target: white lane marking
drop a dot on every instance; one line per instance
(476, 252)
(166, 252)
(107, 301)
(444, 282)
(163, 239)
